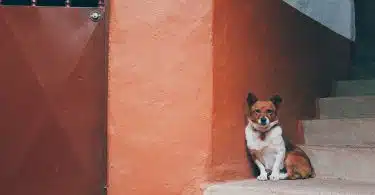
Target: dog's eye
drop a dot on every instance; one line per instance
(257, 111)
(269, 111)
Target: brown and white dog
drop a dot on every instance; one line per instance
(274, 157)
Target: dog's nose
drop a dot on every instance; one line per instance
(263, 121)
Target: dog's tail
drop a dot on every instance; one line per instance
(294, 173)
(296, 176)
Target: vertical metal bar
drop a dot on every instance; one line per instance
(67, 3)
(33, 2)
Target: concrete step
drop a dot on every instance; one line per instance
(343, 162)
(291, 187)
(355, 88)
(347, 107)
(364, 71)
(339, 131)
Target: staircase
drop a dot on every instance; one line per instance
(341, 145)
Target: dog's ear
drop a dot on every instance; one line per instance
(276, 100)
(251, 99)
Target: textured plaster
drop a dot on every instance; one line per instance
(160, 96)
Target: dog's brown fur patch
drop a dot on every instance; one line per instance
(297, 163)
(257, 155)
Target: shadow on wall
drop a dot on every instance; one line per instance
(267, 47)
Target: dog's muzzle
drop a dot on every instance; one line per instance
(263, 121)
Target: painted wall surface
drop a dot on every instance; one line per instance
(176, 94)
(266, 47)
(231, 76)
(364, 65)
(337, 15)
(160, 96)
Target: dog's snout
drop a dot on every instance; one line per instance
(263, 120)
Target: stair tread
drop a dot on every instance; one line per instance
(308, 186)
(356, 81)
(339, 146)
(342, 119)
(365, 97)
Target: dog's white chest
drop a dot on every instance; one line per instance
(268, 148)
(269, 157)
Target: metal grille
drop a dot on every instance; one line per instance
(66, 3)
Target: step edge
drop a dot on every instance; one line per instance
(232, 185)
(357, 80)
(340, 119)
(365, 97)
(339, 146)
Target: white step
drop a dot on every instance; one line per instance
(347, 107)
(343, 162)
(291, 187)
(339, 131)
(355, 88)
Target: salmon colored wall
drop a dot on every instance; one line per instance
(178, 75)
(160, 96)
(267, 47)
(231, 76)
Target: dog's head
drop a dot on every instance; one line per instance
(263, 114)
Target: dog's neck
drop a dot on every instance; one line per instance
(263, 133)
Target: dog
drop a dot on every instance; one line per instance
(273, 157)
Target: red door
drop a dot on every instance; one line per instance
(53, 96)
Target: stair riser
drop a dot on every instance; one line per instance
(356, 107)
(344, 163)
(339, 131)
(355, 88)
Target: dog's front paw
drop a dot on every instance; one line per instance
(262, 177)
(275, 176)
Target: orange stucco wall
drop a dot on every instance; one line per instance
(178, 75)
(160, 96)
